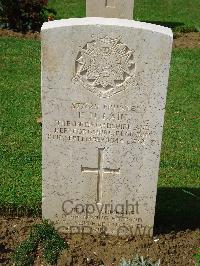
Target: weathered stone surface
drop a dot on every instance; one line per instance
(110, 8)
(104, 84)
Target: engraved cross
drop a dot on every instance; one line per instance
(100, 171)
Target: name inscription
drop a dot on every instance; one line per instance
(106, 124)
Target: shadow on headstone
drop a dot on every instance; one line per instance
(177, 209)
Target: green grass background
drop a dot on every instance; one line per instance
(20, 148)
(177, 14)
(20, 167)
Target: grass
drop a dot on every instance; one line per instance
(178, 197)
(20, 181)
(68, 8)
(197, 257)
(180, 162)
(176, 14)
(180, 15)
(20, 168)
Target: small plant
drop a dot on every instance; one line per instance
(138, 261)
(44, 235)
(197, 257)
(24, 15)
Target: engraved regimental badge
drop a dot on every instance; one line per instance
(105, 66)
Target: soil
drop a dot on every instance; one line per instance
(15, 34)
(187, 40)
(181, 40)
(172, 248)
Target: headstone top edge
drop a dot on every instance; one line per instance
(106, 21)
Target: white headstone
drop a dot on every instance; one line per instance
(104, 85)
(110, 8)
